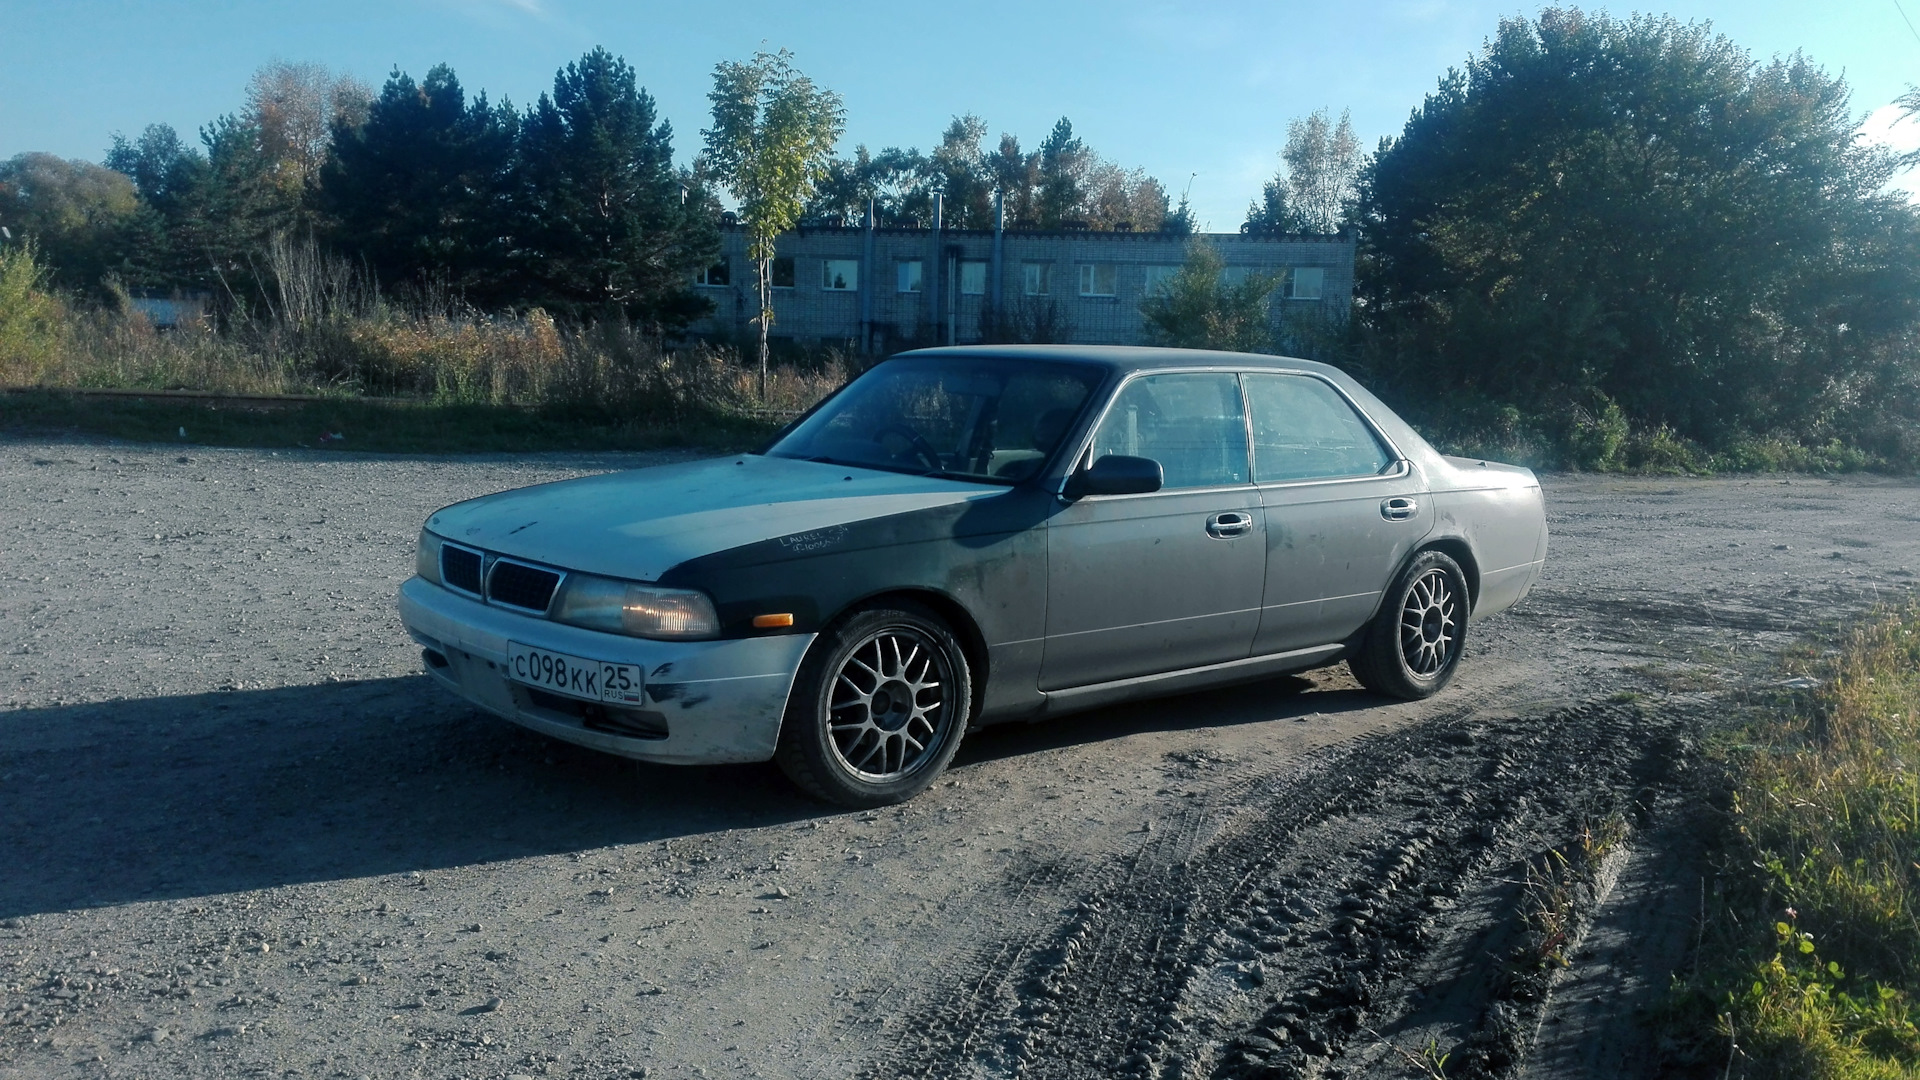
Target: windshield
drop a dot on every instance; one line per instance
(971, 418)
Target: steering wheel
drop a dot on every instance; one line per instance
(921, 447)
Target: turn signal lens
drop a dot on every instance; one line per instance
(426, 561)
(772, 622)
(624, 607)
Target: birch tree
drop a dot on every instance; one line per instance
(771, 142)
(1323, 165)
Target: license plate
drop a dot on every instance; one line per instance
(558, 673)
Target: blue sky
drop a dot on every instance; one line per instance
(1197, 91)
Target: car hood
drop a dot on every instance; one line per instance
(642, 523)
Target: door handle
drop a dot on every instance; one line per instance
(1399, 509)
(1228, 525)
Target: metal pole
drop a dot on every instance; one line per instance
(932, 281)
(993, 271)
(867, 272)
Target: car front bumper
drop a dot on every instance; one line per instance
(706, 701)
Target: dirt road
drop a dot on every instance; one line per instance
(241, 835)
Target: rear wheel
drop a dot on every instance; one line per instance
(878, 708)
(1413, 647)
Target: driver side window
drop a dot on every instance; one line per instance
(1191, 423)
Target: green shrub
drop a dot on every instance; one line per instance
(1597, 441)
(32, 320)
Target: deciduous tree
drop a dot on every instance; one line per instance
(771, 143)
(1909, 103)
(75, 212)
(293, 109)
(1323, 170)
(1317, 182)
(1635, 211)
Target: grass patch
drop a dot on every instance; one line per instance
(417, 376)
(375, 426)
(1809, 960)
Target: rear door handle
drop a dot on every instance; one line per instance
(1230, 524)
(1399, 509)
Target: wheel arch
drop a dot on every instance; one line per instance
(972, 642)
(1460, 552)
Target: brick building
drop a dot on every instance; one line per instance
(882, 289)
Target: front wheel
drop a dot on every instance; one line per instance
(1413, 647)
(878, 708)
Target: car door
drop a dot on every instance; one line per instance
(1342, 511)
(1171, 579)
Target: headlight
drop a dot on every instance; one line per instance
(623, 607)
(426, 562)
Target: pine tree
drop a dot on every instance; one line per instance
(1064, 160)
(417, 191)
(603, 225)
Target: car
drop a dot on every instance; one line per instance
(969, 535)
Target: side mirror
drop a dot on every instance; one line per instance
(1117, 474)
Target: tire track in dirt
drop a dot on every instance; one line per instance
(1279, 947)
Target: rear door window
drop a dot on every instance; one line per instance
(1304, 430)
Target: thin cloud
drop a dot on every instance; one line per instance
(1891, 126)
(492, 10)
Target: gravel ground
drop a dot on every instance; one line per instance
(243, 836)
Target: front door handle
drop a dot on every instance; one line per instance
(1399, 509)
(1230, 524)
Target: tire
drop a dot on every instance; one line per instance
(878, 707)
(1413, 646)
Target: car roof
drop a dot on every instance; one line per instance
(1126, 358)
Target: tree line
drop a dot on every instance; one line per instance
(1063, 183)
(1610, 236)
(573, 204)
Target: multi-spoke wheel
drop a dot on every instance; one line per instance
(1413, 646)
(878, 708)
(885, 703)
(1429, 624)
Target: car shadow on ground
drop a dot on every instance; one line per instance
(1286, 697)
(162, 798)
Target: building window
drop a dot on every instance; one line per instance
(1306, 282)
(973, 277)
(840, 275)
(716, 274)
(1036, 278)
(782, 275)
(1097, 279)
(907, 274)
(1158, 278)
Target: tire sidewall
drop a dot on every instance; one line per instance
(806, 747)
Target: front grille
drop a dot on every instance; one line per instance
(460, 568)
(522, 586)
